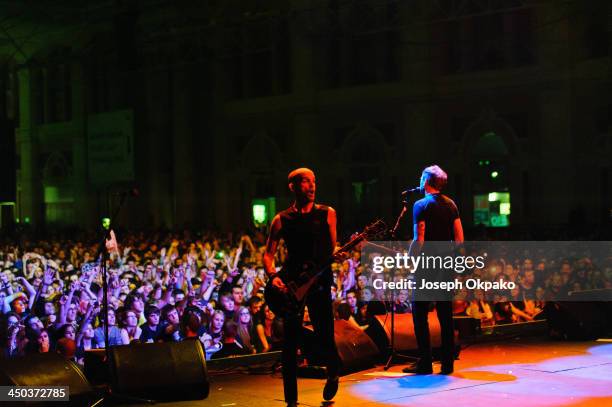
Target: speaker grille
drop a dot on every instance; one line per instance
(161, 371)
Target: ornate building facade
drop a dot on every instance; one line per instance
(207, 107)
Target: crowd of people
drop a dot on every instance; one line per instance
(176, 286)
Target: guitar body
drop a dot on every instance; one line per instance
(281, 303)
(291, 301)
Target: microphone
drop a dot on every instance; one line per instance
(412, 190)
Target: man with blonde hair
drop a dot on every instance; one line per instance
(435, 218)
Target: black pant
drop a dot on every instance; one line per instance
(420, 310)
(321, 314)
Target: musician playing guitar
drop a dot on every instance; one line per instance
(309, 231)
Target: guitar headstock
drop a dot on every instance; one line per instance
(375, 230)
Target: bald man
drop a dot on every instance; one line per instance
(309, 231)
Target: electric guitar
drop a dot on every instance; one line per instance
(292, 299)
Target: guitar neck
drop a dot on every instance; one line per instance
(300, 289)
(351, 244)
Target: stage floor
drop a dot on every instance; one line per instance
(520, 372)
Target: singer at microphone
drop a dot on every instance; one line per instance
(435, 218)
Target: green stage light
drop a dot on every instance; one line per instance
(263, 210)
(26, 219)
(260, 214)
(494, 174)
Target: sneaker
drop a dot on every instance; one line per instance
(331, 388)
(292, 404)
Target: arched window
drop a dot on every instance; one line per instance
(363, 153)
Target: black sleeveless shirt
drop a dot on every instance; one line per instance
(307, 238)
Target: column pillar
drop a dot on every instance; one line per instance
(551, 198)
(184, 154)
(82, 200)
(29, 198)
(158, 128)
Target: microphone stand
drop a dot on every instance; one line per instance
(103, 255)
(393, 353)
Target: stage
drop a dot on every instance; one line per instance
(517, 372)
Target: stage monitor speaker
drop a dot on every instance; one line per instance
(355, 348)
(47, 369)
(577, 320)
(160, 371)
(96, 369)
(598, 295)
